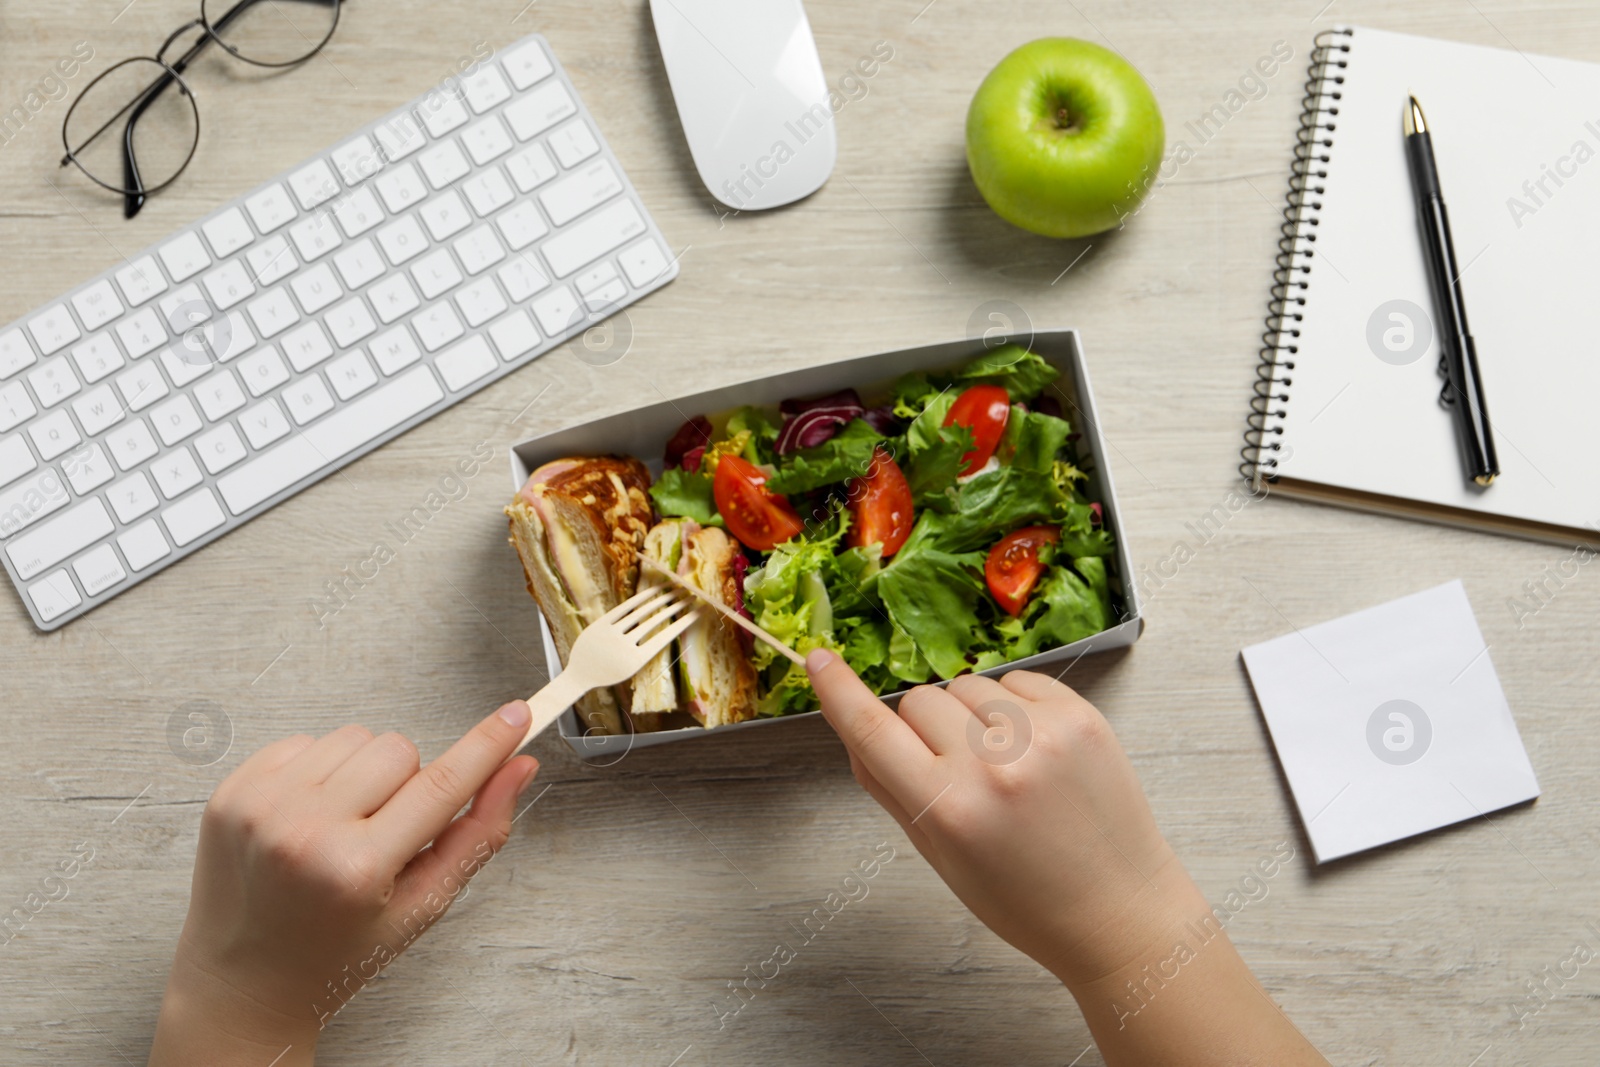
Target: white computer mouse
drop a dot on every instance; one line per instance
(751, 96)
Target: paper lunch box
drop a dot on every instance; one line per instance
(643, 432)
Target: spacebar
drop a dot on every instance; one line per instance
(326, 442)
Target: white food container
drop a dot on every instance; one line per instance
(643, 432)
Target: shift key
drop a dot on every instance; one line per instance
(583, 242)
(62, 536)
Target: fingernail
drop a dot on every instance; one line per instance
(516, 714)
(817, 659)
(527, 779)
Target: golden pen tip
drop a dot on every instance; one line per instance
(1484, 479)
(1414, 122)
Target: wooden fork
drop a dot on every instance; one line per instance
(611, 650)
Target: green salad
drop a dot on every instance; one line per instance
(943, 531)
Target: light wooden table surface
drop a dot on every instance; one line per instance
(630, 896)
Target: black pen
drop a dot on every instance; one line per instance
(1458, 357)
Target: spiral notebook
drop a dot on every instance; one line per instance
(1346, 407)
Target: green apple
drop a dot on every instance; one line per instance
(1064, 138)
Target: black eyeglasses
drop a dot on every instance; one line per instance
(161, 129)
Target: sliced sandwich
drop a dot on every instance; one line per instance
(577, 526)
(719, 684)
(655, 688)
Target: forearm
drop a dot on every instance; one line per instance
(203, 1020)
(1188, 1000)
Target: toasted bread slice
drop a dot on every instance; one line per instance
(719, 682)
(577, 525)
(655, 688)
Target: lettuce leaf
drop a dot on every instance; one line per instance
(932, 598)
(844, 456)
(1023, 374)
(1032, 440)
(686, 494)
(1070, 603)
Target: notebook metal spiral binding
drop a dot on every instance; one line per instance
(1319, 110)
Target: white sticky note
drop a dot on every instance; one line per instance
(1390, 722)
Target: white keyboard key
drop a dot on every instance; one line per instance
(97, 305)
(402, 187)
(359, 264)
(399, 136)
(306, 347)
(184, 257)
(358, 213)
(97, 357)
(437, 326)
(219, 448)
(644, 262)
(350, 322)
(557, 311)
(264, 424)
(53, 382)
(540, 110)
(132, 444)
(314, 184)
(522, 278)
(98, 410)
(403, 239)
(487, 140)
(330, 440)
(445, 215)
(465, 363)
(435, 274)
(394, 350)
(351, 375)
(394, 297)
(141, 280)
(193, 517)
(16, 407)
(51, 542)
(581, 190)
(584, 242)
(99, 570)
(271, 261)
(514, 335)
(522, 225)
(488, 191)
(31, 500)
(316, 288)
(143, 545)
(480, 302)
(228, 284)
(270, 208)
(595, 277)
(184, 308)
(176, 473)
(226, 337)
(54, 595)
(16, 459)
(228, 233)
(219, 395)
(531, 168)
(357, 160)
(87, 469)
(307, 398)
(184, 365)
(175, 420)
(15, 353)
(479, 250)
(315, 236)
(132, 497)
(273, 313)
(527, 65)
(443, 164)
(263, 371)
(441, 112)
(53, 434)
(484, 88)
(141, 385)
(142, 333)
(573, 143)
(607, 298)
(54, 329)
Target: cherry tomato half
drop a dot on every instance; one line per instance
(1013, 565)
(880, 506)
(983, 409)
(759, 519)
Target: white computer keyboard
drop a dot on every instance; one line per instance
(193, 387)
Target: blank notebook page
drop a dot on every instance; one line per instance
(1529, 274)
